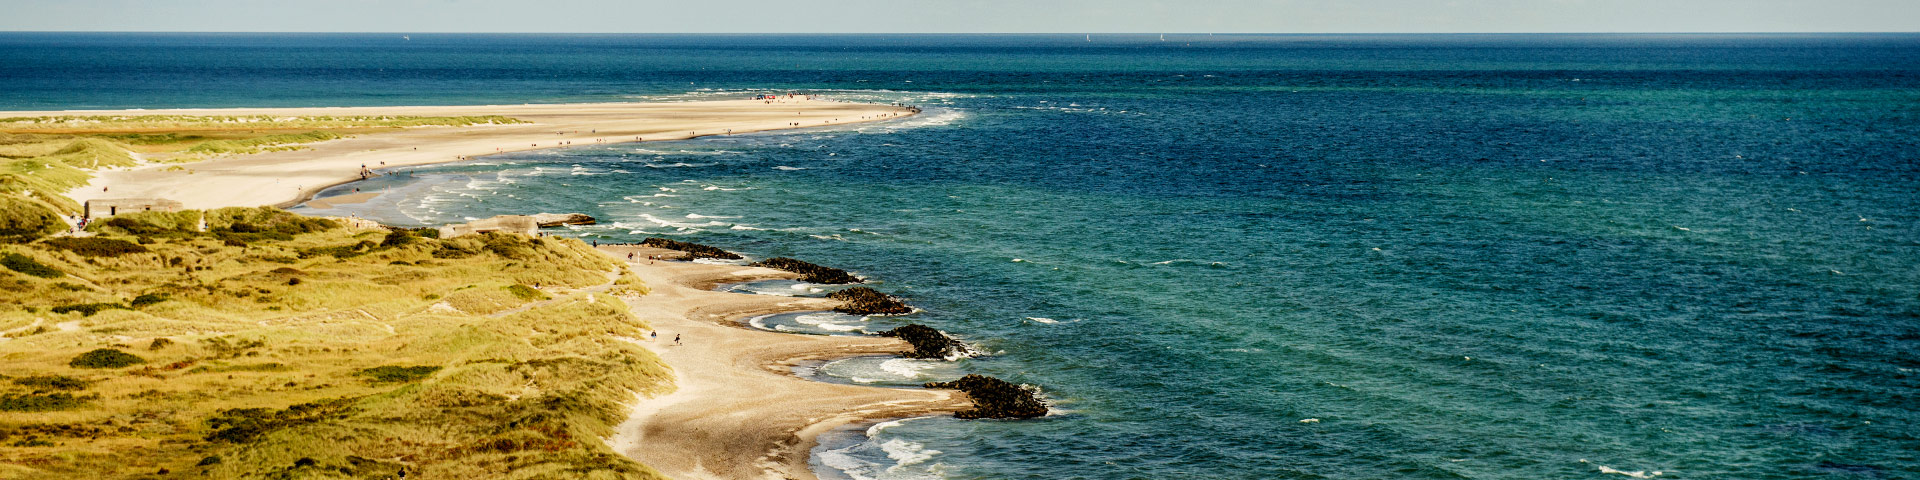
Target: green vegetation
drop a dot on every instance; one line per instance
(394, 359)
(524, 292)
(27, 265)
(26, 219)
(285, 141)
(87, 309)
(95, 246)
(55, 382)
(397, 374)
(40, 402)
(105, 358)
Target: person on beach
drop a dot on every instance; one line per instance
(676, 339)
(656, 335)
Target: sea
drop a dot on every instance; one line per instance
(1537, 256)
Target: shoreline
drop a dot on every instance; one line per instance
(734, 413)
(287, 178)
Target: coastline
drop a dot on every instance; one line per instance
(732, 411)
(287, 178)
(737, 410)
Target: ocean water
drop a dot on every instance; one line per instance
(1239, 257)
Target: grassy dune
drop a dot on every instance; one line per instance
(41, 158)
(280, 346)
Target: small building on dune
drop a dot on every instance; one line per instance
(107, 207)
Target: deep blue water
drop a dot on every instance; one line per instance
(1462, 256)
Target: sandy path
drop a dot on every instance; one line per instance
(738, 411)
(286, 178)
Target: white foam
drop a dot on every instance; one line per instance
(787, 168)
(1045, 320)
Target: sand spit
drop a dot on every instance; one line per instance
(286, 178)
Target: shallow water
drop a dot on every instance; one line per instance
(1250, 257)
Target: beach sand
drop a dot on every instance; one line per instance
(288, 177)
(738, 412)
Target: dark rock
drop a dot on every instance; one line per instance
(867, 301)
(813, 273)
(694, 250)
(995, 398)
(927, 342)
(557, 219)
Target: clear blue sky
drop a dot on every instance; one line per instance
(942, 16)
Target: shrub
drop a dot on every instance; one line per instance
(95, 246)
(147, 299)
(87, 309)
(56, 382)
(27, 265)
(41, 403)
(397, 374)
(105, 358)
(242, 425)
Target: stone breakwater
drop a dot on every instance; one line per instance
(810, 273)
(867, 301)
(694, 250)
(995, 398)
(928, 342)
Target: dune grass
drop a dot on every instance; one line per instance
(279, 346)
(41, 158)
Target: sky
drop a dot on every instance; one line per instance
(963, 16)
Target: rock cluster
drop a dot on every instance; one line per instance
(557, 219)
(995, 398)
(813, 273)
(867, 301)
(927, 342)
(694, 250)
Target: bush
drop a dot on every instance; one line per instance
(27, 265)
(41, 403)
(55, 382)
(87, 309)
(105, 358)
(397, 374)
(95, 246)
(146, 299)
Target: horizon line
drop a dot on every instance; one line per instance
(403, 32)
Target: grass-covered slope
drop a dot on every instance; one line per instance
(279, 346)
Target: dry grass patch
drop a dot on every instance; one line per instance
(287, 356)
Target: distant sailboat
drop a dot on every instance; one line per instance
(1163, 37)
(1089, 37)
(407, 38)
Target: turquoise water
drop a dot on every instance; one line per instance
(1505, 256)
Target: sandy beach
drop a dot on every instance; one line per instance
(286, 178)
(738, 412)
